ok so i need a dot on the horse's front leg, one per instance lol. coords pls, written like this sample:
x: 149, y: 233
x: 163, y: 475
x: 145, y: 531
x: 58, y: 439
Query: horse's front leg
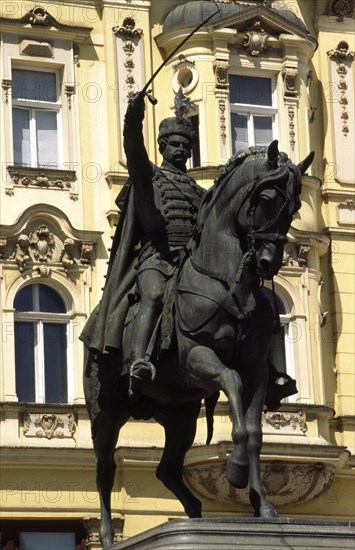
x: 206, y: 370
x: 257, y: 383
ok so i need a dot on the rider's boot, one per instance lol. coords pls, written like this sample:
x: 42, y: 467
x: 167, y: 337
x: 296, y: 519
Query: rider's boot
x: 141, y: 372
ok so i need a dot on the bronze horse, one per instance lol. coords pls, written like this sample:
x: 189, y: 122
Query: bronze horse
x: 223, y: 328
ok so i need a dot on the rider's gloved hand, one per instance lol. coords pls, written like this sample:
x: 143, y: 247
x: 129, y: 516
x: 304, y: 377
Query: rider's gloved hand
x: 136, y: 105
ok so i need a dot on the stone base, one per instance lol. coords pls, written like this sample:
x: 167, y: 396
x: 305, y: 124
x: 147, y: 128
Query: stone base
x: 244, y: 533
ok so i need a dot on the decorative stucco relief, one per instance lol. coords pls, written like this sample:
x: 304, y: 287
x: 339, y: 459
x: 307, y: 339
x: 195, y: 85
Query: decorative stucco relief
x: 290, y: 77
x: 185, y: 75
x: 41, y: 250
x: 130, y: 36
x: 291, y: 127
x: 344, y: 58
x: 256, y: 39
x: 346, y: 212
x: 286, y: 483
x: 46, y: 178
x: 221, y: 67
x: 49, y: 425
x: 92, y: 526
x: 222, y: 120
x: 6, y: 86
x: 295, y: 255
x: 340, y: 9
x: 284, y: 422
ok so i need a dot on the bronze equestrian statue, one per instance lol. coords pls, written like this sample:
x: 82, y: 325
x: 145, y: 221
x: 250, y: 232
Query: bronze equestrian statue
x: 223, y: 322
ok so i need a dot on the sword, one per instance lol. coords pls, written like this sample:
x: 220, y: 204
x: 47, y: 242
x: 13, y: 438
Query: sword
x: 145, y: 90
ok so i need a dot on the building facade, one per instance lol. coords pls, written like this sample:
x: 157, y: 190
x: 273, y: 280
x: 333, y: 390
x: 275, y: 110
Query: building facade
x: 259, y: 70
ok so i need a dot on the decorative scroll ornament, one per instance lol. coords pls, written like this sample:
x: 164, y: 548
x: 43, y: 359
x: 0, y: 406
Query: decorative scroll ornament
x: 285, y: 483
x: 221, y: 67
x: 49, y: 425
x: 256, y: 39
x: 290, y: 76
x: 340, y: 8
x: 39, y: 16
x: 344, y: 58
x: 131, y: 37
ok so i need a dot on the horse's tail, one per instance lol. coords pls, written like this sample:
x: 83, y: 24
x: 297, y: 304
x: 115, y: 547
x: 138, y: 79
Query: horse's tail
x: 210, y: 404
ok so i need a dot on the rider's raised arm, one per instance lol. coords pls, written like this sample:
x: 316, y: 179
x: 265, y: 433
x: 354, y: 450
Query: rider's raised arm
x: 139, y: 167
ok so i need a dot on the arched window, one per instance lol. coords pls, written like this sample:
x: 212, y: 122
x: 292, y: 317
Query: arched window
x: 41, y: 323
x: 279, y: 353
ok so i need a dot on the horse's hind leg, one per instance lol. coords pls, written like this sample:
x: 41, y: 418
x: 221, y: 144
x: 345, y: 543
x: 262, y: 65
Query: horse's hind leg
x: 105, y: 434
x: 180, y: 429
x: 206, y: 370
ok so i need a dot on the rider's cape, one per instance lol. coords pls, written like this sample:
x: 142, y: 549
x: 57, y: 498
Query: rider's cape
x: 103, y: 330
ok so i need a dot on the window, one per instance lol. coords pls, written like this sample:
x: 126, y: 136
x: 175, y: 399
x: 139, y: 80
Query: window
x: 281, y: 353
x: 41, y: 326
x: 253, y: 111
x: 36, y: 121
x: 44, y: 541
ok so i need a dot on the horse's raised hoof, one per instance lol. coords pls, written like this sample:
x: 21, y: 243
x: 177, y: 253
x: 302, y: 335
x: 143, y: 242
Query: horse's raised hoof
x: 237, y: 474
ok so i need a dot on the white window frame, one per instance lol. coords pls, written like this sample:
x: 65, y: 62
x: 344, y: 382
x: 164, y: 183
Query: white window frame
x: 254, y: 109
x: 38, y: 105
x: 37, y: 319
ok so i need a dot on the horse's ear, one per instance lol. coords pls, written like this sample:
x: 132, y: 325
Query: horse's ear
x: 306, y: 163
x: 273, y: 153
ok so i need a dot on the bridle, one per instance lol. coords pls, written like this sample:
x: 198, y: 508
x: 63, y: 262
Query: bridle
x: 254, y: 234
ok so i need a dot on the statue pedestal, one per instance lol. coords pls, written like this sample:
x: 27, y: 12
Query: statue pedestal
x: 244, y: 533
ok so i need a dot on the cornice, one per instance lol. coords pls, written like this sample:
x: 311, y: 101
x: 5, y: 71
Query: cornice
x: 45, y: 212
x: 40, y: 22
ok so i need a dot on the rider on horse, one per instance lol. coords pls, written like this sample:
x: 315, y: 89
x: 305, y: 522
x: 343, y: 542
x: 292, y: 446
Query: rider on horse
x: 158, y: 217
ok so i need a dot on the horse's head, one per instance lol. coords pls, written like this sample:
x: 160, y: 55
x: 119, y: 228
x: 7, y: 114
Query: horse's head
x: 268, y: 204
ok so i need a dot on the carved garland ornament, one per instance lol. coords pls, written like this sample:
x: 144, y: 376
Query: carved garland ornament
x: 222, y: 120
x: 285, y: 483
x: 131, y: 37
x: 344, y: 58
x: 291, y: 126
